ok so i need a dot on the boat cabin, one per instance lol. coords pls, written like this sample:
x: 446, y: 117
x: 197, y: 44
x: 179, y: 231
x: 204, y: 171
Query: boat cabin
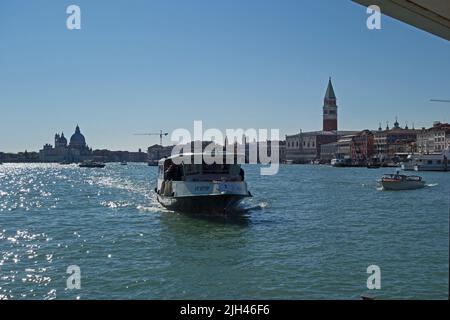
x: 185, y: 171
x: 399, y: 177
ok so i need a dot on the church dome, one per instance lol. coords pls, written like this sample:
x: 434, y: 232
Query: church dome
x: 77, y: 140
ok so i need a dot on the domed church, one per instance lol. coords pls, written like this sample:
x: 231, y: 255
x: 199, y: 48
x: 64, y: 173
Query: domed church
x: 77, y: 141
x: 76, y: 151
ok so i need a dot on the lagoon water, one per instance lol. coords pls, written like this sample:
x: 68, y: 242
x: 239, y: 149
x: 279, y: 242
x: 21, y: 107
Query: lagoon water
x: 310, y: 232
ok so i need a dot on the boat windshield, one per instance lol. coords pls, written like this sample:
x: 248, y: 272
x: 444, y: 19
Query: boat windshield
x: 168, y: 170
x: 212, y: 171
x: 400, y: 177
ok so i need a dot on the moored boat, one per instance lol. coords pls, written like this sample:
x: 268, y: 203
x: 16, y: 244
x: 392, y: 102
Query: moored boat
x: 340, y: 162
x: 91, y: 164
x: 428, y: 162
x: 401, y: 182
x: 200, y: 188
x: 123, y: 163
x: 409, y: 163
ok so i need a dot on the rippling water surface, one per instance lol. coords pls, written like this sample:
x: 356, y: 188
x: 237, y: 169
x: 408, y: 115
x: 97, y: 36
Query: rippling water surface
x: 309, y: 232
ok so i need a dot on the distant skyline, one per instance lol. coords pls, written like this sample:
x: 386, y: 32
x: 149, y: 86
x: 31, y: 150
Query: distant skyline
x: 141, y: 66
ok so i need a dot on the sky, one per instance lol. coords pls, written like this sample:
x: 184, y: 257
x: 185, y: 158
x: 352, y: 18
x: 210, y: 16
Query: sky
x: 141, y: 66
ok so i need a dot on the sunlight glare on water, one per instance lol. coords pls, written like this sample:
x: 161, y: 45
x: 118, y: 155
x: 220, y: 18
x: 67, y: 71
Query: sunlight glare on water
x: 309, y: 232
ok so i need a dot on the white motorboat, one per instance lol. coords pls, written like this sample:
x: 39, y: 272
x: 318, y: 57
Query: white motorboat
x: 428, y: 162
x: 340, y: 162
x: 401, y: 182
x: 409, y: 163
x: 432, y: 162
x: 200, y: 188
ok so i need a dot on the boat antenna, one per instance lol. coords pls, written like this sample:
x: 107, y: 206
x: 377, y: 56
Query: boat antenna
x: 440, y: 100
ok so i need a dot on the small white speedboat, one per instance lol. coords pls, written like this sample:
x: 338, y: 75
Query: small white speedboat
x: 401, y: 182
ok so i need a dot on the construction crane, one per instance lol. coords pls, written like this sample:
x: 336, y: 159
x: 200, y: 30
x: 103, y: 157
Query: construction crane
x: 440, y: 100
x: 160, y: 134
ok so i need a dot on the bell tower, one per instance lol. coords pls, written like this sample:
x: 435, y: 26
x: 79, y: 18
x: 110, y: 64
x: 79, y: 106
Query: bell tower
x: 329, y: 109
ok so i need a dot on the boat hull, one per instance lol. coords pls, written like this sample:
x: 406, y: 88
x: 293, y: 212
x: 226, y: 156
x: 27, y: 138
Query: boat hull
x: 208, y: 204
x: 404, y: 185
x: 92, y: 166
x: 431, y: 168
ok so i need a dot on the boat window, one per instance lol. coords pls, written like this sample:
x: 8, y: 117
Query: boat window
x: 192, y: 169
x: 235, y: 169
x: 215, y: 168
x: 161, y: 171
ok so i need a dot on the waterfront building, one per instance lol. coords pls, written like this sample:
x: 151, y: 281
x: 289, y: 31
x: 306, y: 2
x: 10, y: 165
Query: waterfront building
x: 357, y: 149
x: 119, y: 156
x: 344, y: 147
x: 328, y: 152
x: 156, y: 152
x: 392, y: 141
x: 20, y: 157
x: 362, y: 147
x: 434, y: 139
x: 305, y: 147
x: 76, y: 151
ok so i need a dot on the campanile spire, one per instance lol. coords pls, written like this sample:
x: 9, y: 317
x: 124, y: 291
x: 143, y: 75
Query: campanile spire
x: 329, y: 109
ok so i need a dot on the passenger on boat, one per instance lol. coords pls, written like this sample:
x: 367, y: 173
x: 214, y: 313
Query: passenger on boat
x: 242, y: 174
x: 173, y: 172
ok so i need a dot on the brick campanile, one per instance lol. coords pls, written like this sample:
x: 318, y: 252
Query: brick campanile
x: 329, y: 109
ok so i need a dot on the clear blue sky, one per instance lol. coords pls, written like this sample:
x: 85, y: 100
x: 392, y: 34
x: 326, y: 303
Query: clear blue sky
x: 139, y: 66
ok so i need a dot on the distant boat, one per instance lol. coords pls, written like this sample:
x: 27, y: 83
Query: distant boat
x: 91, y: 164
x: 123, y: 163
x: 152, y: 163
x: 339, y: 162
x: 409, y: 163
x: 428, y: 162
x: 401, y: 182
x: 65, y: 163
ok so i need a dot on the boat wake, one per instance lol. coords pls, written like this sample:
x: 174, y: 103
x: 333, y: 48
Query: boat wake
x: 432, y: 184
x: 261, y: 206
x: 155, y: 208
